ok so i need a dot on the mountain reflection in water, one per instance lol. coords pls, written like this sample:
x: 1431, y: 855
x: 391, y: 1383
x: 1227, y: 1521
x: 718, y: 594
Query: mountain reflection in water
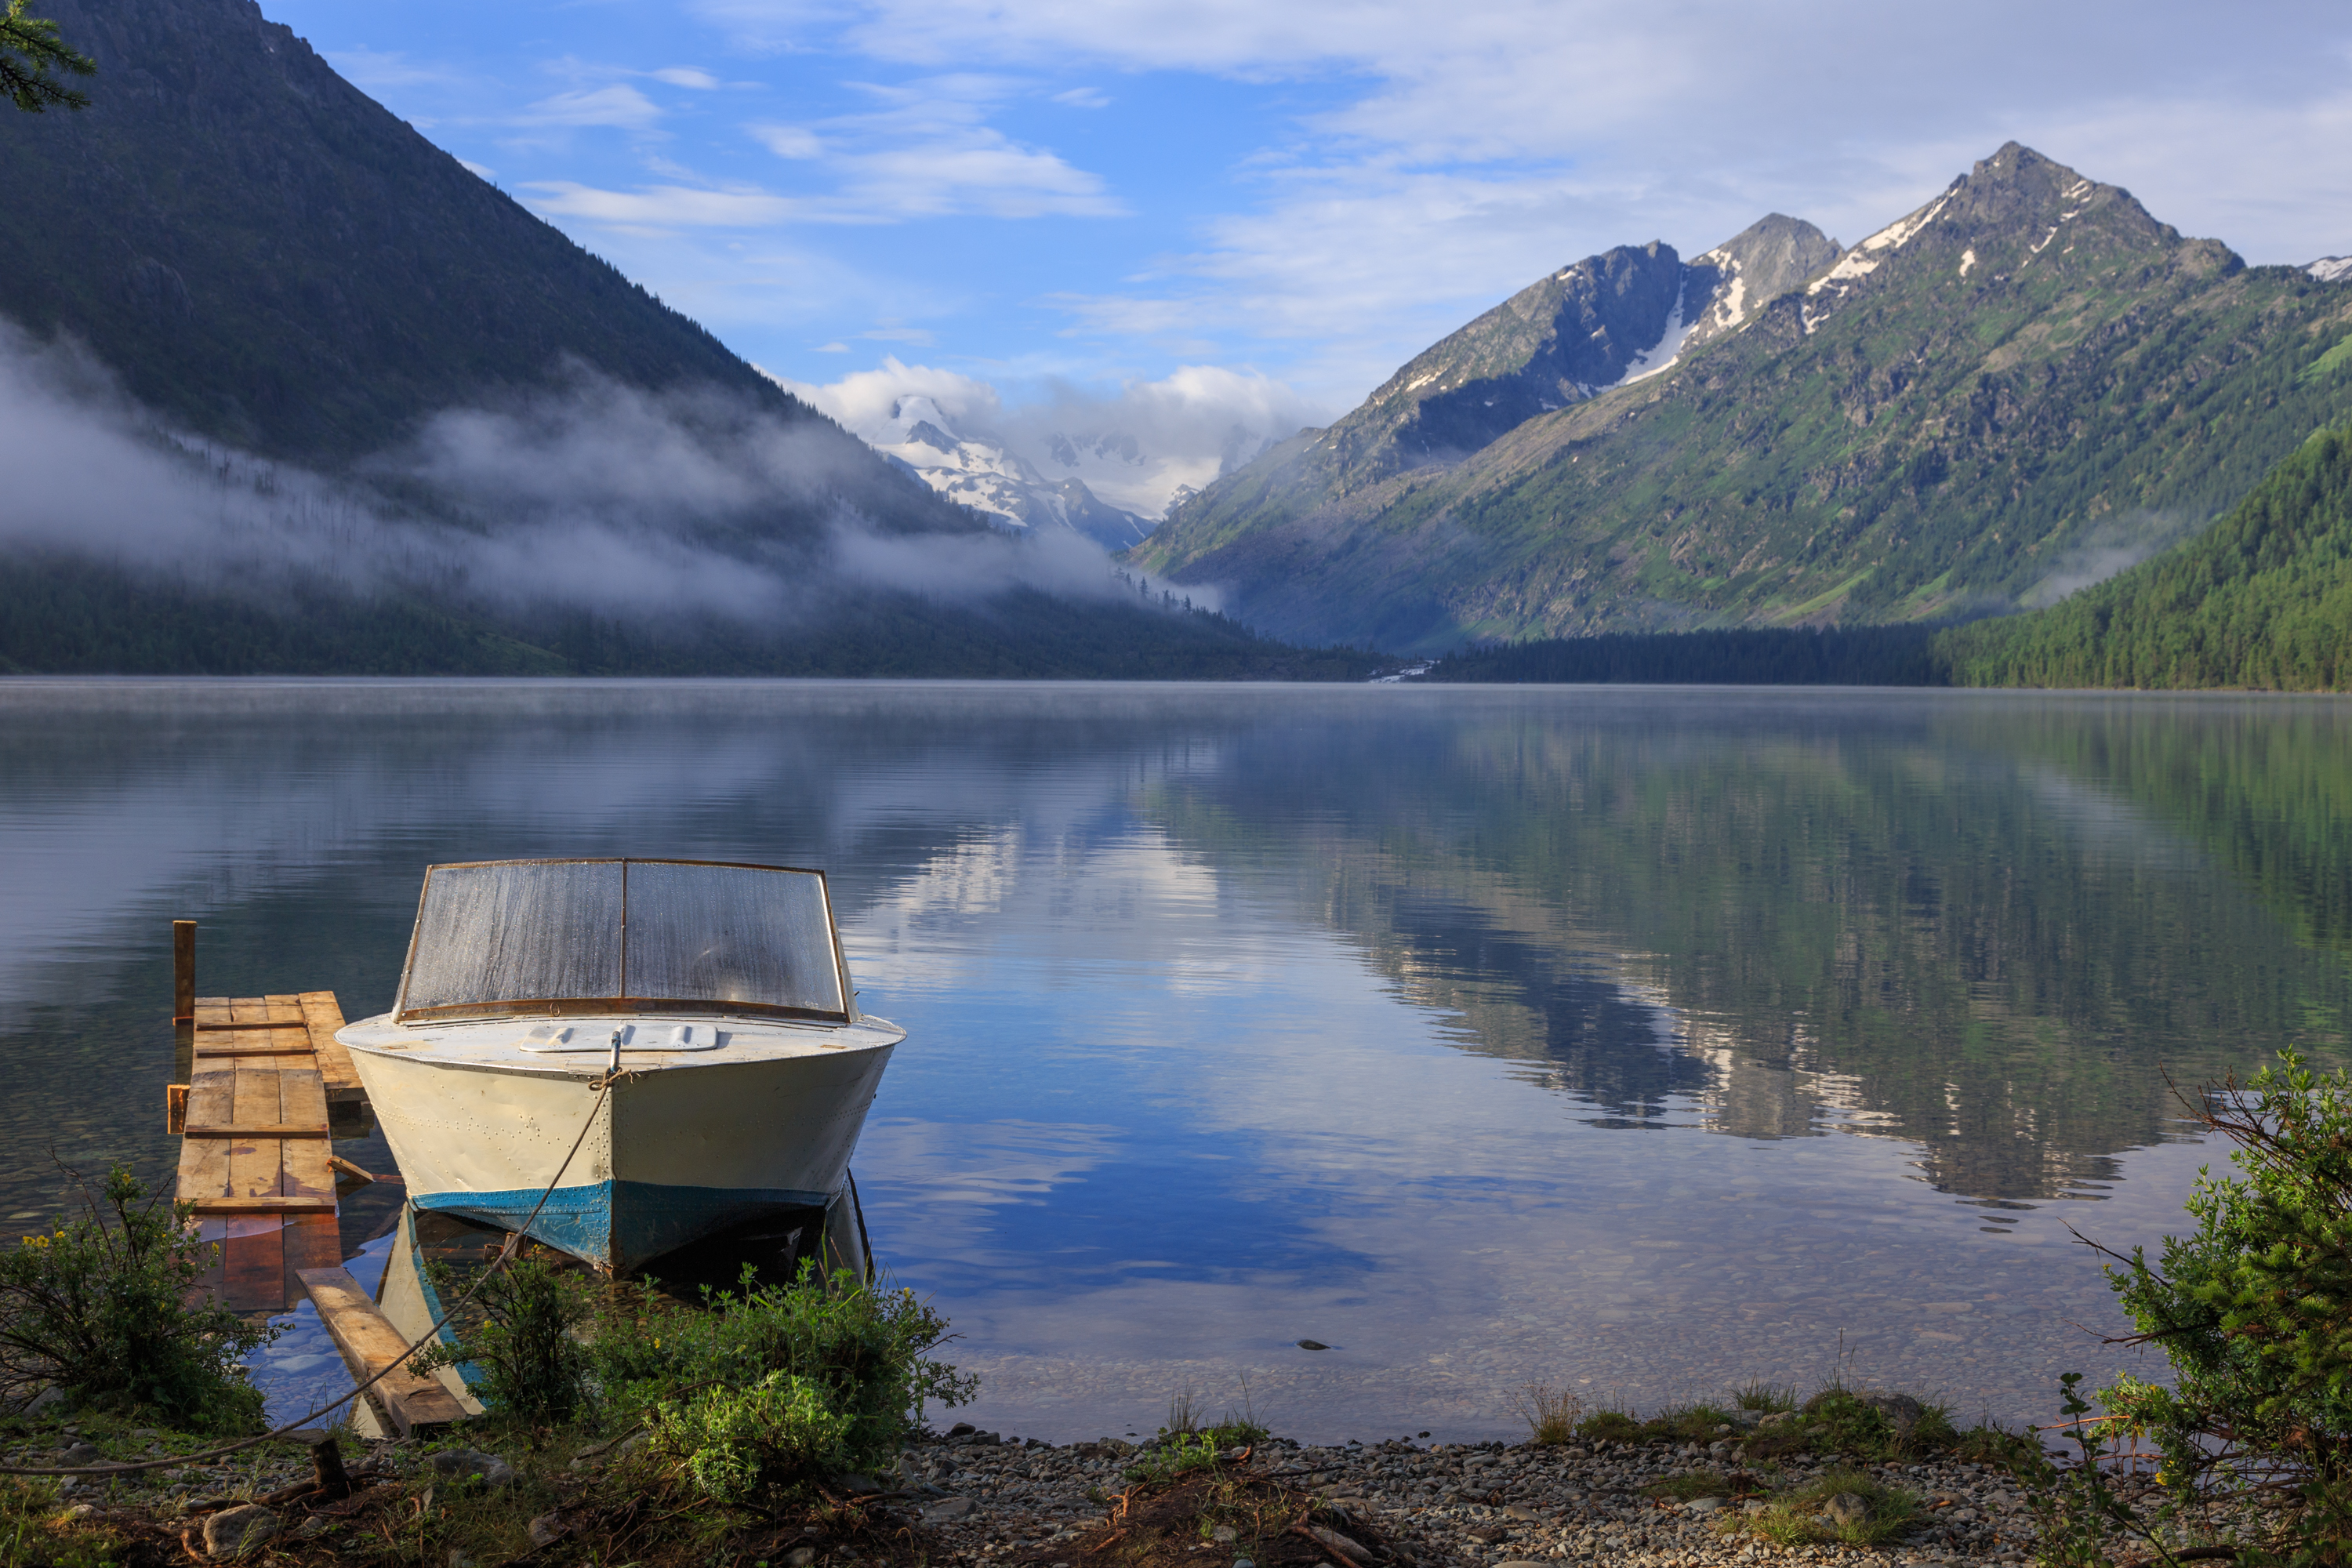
x: 1243, y: 1015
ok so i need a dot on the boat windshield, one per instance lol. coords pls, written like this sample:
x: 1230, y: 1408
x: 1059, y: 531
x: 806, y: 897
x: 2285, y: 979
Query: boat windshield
x: 501, y: 937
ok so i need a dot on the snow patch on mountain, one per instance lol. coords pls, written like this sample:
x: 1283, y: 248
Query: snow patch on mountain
x: 2332, y: 270
x: 1662, y: 354
x: 977, y: 470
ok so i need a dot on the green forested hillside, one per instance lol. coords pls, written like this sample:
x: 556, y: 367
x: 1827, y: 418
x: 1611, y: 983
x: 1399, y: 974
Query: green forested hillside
x: 2263, y: 600
x: 59, y: 616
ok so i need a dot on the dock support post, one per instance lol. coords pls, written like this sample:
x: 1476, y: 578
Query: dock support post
x: 183, y: 972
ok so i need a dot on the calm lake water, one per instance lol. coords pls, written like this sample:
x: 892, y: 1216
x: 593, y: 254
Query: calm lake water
x: 1641, y: 1042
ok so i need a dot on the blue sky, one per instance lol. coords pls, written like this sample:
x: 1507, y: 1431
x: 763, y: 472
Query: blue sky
x: 1077, y: 198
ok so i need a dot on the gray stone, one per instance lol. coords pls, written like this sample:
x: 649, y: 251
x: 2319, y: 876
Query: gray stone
x: 1846, y: 1507
x: 1313, y: 1345
x: 800, y: 1557
x: 49, y: 1399
x: 234, y: 1532
x: 456, y: 1464
x: 548, y: 1529
x: 947, y: 1510
x: 1225, y: 1535
x: 1704, y: 1504
x: 80, y: 1454
x: 79, y: 1512
x: 459, y: 1560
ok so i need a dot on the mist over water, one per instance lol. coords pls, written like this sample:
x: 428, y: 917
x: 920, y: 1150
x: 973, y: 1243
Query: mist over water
x: 667, y: 508
x: 1640, y: 1041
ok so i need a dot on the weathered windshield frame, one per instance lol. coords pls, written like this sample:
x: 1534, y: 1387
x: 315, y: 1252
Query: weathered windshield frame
x: 831, y: 963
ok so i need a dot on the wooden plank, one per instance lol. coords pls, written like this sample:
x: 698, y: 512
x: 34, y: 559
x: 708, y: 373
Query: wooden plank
x: 249, y: 1009
x: 175, y: 1108
x: 304, y: 1096
x: 306, y: 1173
x: 279, y: 1130
x: 253, y: 1168
x: 204, y: 1163
x: 274, y: 1204
x: 311, y: 1241
x: 254, y: 1254
x: 325, y: 1015
x: 183, y: 970
x: 370, y: 1345
x: 295, y: 1054
x: 214, y: 1281
x: 273, y: 1023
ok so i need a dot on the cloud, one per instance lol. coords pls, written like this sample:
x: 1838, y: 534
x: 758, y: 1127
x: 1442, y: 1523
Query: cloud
x: 617, y: 105
x: 925, y: 150
x: 794, y: 141
x: 1084, y: 98
x: 1432, y: 160
x: 662, y: 206
x: 597, y: 495
x: 1134, y: 445
x: 688, y: 77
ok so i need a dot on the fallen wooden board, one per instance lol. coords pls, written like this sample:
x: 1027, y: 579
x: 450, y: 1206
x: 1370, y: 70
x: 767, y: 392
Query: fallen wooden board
x: 370, y: 1345
x: 265, y: 1206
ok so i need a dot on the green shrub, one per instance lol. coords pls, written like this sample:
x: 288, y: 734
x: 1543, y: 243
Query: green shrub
x: 768, y: 1389
x: 100, y: 1307
x: 534, y: 1368
x: 2255, y: 1311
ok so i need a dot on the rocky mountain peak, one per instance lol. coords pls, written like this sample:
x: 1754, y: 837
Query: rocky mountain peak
x: 1726, y: 287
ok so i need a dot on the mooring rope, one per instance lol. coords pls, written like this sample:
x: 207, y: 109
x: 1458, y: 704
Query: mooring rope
x: 507, y: 1250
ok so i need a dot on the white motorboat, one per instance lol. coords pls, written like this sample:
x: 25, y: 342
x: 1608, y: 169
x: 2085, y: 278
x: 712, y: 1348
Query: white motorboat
x: 683, y: 1032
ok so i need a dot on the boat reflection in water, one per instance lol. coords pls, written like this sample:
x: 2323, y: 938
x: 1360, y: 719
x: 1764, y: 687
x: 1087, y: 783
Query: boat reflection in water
x: 623, y: 1058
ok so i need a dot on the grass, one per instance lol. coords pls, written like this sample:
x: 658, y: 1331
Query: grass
x: 1839, y: 1421
x: 1705, y: 1483
x: 1551, y: 1414
x: 1796, y: 1519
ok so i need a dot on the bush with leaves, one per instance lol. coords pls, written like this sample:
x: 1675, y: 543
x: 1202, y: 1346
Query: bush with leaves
x: 533, y: 1365
x: 2255, y: 1311
x: 770, y: 1388
x: 100, y: 1307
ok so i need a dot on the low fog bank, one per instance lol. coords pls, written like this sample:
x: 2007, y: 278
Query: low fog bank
x: 1137, y: 448
x: 658, y: 509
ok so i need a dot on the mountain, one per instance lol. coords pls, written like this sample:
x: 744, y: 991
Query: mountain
x: 2025, y: 380
x: 400, y: 425
x: 262, y: 251
x: 981, y: 471
x: 2264, y: 599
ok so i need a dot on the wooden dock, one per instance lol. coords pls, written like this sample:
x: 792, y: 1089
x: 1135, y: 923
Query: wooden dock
x: 265, y: 1076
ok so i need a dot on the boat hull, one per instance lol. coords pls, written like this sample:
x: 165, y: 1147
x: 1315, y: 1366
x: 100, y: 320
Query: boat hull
x: 665, y: 1159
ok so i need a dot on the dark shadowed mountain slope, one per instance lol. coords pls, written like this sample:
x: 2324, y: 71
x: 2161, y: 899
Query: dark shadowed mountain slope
x: 2024, y: 378
x: 262, y: 251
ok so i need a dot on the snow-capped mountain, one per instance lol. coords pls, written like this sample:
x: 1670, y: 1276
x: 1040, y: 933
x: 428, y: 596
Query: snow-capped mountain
x: 2332, y: 270
x: 979, y: 470
x: 1128, y: 472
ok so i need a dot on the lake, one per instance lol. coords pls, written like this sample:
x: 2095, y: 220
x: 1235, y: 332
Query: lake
x: 1641, y: 1042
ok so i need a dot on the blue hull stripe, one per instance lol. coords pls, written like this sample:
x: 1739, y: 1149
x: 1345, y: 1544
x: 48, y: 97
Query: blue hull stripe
x: 622, y: 1224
